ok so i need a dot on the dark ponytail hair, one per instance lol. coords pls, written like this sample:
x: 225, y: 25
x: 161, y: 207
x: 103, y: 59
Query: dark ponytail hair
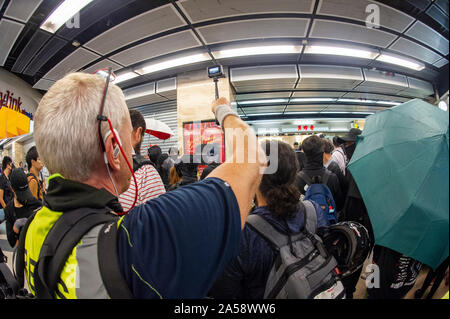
x: 279, y: 188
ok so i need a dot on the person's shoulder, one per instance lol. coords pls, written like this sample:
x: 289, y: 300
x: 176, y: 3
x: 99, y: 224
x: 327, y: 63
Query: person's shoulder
x: 3, y: 181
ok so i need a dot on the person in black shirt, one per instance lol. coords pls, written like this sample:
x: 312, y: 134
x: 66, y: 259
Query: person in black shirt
x: 301, y: 158
x: 6, y: 194
x: 21, y: 207
x: 313, y: 149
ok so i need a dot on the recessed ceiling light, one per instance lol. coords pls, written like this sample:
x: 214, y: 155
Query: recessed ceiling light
x: 407, y: 63
x: 185, y: 60
x: 268, y: 101
x: 124, y: 77
x: 63, y: 13
x: 344, y: 51
x: 257, y: 50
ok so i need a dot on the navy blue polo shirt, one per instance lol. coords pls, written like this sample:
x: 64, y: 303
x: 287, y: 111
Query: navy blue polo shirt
x: 176, y: 245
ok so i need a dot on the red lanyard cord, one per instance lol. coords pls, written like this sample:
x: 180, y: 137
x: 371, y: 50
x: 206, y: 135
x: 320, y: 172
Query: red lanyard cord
x: 100, y: 118
x: 129, y: 166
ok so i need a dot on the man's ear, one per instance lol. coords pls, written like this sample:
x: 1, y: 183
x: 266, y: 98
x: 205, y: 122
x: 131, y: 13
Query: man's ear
x: 112, y: 153
x: 136, y: 135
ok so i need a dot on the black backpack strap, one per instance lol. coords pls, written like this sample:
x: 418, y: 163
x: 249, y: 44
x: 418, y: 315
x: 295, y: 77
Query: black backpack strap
x: 19, y: 264
x: 59, y: 243
x: 7, y: 275
x: 267, y: 231
x: 326, y: 175
x: 40, y: 190
x: 109, y: 263
x: 305, y: 178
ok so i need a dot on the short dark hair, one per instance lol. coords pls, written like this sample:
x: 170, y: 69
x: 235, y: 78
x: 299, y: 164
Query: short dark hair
x: 5, y: 162
x: 312, y: 145
x: 327, y: 146
x: 137, y: 121
x: 32, y: 154
x: 336, y: 141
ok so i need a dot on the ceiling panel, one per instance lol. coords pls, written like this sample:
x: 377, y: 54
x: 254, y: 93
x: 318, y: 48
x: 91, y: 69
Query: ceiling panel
x: 260, y: 96
x: 420, y: 4
x: 305, y: 108
x: 427, y: 35
x: 415, y: 50
x: 264, y: 109
x: 435, y: 13
x: 201, y: 10
x: 149, y: 99
x: 22, y: 10
x: 43, y: 84
x: 154, y: 48
x: 73, y: 62
x: 44, y: 55
x: 9, y: 31
x: 31, y: 49
x: 317, y: 94
x: 254, y: 29
x: 143, y: 89
x: 441, y: 63
x: 142, y: 95
x: 94, y: 14
x: 418, y: 88
x: 352, y: 108
x: 325, y: 29
x: 443, y: 4
x: 389, y: 17
x: 382, y: 82
x: 332, y: 108
x: 371, y: 96
x: 264, y: 78
x: 329, y: 77
x: 101, y: 65
x: 167, y: 88
x: 147, y: 24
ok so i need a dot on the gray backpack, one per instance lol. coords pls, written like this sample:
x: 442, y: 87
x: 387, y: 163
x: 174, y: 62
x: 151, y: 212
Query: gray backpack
x: 303, y: 269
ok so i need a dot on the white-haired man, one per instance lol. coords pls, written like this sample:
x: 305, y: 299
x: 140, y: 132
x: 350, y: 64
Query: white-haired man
x: 173, y: 246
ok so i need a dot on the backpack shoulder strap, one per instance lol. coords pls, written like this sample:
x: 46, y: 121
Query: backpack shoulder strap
x: 108, y: 261
x: 326, y: 175
x: 40, y: 190
x: 267, y: 231
x: 7, y: 275
x: 19, y: 264
x: 310, y: 217
x: 305, y: 178
x: 59, y: 243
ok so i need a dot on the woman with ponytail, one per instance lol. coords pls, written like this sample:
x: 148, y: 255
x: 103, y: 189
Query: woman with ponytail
x: 277, y: 201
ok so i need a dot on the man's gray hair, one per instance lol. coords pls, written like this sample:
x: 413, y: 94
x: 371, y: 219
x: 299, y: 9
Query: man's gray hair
x: 66, y: 126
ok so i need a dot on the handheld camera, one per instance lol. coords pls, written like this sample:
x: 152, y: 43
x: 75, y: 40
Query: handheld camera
x: 215, y: 72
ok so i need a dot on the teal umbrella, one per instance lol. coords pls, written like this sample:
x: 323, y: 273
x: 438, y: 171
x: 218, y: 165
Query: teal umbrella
x: 400, y: 165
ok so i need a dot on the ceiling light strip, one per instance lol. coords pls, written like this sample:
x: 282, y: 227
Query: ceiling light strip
x: 63, y: 13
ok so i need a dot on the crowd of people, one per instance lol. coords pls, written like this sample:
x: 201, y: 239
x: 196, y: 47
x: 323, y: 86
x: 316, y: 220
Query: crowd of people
x: 182, y: 233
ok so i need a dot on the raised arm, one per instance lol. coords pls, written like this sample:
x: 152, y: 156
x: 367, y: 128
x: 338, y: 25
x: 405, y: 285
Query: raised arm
x: 243, y: 170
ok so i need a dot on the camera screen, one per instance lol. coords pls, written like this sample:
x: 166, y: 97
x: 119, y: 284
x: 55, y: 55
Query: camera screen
x: 214, y: 70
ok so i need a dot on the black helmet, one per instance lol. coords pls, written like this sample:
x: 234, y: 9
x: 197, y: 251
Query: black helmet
x: 350, y: 244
